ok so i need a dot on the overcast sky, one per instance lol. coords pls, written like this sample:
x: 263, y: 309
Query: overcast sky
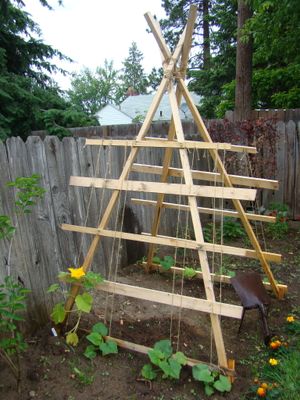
x: 90, y: 31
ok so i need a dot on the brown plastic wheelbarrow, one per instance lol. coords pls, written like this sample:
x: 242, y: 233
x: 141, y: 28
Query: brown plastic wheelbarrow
x: 252, y: 293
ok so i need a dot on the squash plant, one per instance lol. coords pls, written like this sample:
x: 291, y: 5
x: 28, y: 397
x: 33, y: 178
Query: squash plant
x: 162, y: 357
x: 211, y: 379
x: 83, y: 300
x: 99, y: 342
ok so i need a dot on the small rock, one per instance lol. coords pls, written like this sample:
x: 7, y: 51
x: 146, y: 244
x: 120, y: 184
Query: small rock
x: 32, y: 394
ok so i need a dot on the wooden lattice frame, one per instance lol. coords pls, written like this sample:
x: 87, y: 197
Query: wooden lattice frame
x: 175, y: 140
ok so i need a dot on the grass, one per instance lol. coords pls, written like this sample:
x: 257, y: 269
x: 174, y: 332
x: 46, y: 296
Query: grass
x: 281, y: 381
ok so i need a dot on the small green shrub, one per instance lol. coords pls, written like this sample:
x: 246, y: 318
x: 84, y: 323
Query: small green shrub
x: 230, y: 230
x: 12, y: 303
x: 280, y: 228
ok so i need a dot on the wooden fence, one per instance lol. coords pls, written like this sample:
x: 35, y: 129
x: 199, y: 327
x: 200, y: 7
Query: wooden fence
x: 40, y: 249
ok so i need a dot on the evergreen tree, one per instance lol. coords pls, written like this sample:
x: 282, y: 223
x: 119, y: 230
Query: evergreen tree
x: 27, y: 90
x: 275, y: 29
x: 133, y: 75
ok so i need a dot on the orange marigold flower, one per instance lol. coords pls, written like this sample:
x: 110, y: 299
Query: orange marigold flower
x: 290, y: 318
x: 274, y: 345
x: 261, y: 392
x: 273, y: 362
x: 76, y: 273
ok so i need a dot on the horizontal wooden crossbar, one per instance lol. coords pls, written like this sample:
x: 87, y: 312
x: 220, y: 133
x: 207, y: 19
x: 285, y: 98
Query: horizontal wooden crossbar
x: 139, y: 348
x: 172, y: 299
x: 215, y: 277
x: 165, y: 188
x: 174, y: 144
x: 172, y: 242
x: 206, y: 210
x: 209, y: 176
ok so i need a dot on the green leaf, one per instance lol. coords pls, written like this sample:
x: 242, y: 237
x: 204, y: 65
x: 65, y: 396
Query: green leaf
x: 209, y: 390
x: 189, y: 272
x: 53, y: 288
x: 164, y: 346
x: 72, y: 339
x: 58, y: 314
x: 108, y: 347
x: 156, y: 260
x: 92, y: 279
x: 84, y: 302
x: 90, y: 352
x: 156, y: 356
x: 222, y: 384
x: 175, y: 368
x: 202, y: 373
x: 165, y: 367
x: 100, y: 328
x: 148, y: 372
x: 95, y: 338
x: 167, y: 262
x: 180, y: 358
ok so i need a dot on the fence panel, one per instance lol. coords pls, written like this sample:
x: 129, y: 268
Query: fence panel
x: 40, y: 248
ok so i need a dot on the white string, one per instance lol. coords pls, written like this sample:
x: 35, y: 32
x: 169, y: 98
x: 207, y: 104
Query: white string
x: 92, y: 191
x: 183, y: 266
x: 175, y: 259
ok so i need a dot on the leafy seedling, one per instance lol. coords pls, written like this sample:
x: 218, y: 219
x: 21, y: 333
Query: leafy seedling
x: 189, y: 272
x: 99, y: 343
x: 163, y: 358
x: 212, y: 380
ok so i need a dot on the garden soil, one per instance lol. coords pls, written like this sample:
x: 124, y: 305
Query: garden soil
x: 53, y: 370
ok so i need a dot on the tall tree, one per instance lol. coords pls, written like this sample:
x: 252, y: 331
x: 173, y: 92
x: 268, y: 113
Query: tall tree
x: 276, y: 74
x: 213, y: 56
x: 133, y: 75
x: 90, y: 91
x: 27, y: 90
x: 154, y: 78
x: 206, y: 34
x: 243, y: 86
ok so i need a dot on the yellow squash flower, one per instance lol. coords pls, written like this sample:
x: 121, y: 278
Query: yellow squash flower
x: 273, y: 362
x: 77, y: 273
x: 290, y: 318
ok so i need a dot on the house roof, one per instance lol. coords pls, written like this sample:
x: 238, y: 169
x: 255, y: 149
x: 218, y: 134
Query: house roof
x: 136, y: 107
x: 111, y: 115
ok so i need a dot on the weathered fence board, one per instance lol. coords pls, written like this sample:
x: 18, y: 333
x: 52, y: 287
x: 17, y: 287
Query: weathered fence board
x: 40, y: 248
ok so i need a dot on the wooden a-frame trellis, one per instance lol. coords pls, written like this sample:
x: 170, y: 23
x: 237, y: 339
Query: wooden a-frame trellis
x: 174, y: 73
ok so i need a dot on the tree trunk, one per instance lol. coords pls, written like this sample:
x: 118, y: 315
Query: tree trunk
x: 243, y: 90
x: 206, y: 39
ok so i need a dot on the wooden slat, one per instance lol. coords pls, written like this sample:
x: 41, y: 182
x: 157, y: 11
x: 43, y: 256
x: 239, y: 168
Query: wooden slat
x: 172, y: 242
x: 215, y: 277
x: 164, y: 143
x: 165, y: 188
x: 210, y: 176
x: 172, y: 131
x: 172, y: 299
x: 206, y: 210
x: 192, y: 200
x: 124, y: 344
